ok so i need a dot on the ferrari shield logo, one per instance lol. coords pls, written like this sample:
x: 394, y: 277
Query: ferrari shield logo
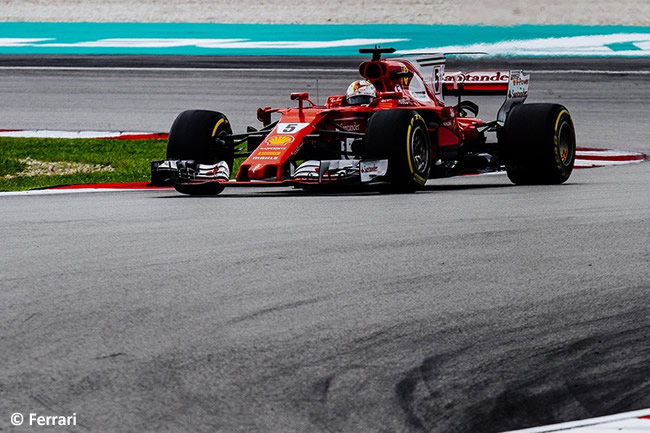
x: 405, y: 79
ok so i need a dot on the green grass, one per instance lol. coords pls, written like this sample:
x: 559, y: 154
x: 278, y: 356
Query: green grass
x: 131, y: 160
x: 10, y: 166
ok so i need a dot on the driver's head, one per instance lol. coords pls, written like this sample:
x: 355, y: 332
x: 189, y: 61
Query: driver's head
x: 360, y: 92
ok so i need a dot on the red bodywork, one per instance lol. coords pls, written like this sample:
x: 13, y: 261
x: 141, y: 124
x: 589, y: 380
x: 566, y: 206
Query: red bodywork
x: 400, y: 85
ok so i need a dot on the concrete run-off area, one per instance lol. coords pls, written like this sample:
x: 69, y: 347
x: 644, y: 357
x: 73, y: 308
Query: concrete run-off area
x: 493, y: 12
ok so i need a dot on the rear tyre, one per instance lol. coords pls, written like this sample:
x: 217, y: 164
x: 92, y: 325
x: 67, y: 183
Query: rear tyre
x: 400, y: 136
x: 199, y: 135
x: 539, y: 144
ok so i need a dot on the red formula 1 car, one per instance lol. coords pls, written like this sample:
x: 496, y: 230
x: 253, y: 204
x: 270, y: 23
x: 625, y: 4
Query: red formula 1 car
x: 392, y: 129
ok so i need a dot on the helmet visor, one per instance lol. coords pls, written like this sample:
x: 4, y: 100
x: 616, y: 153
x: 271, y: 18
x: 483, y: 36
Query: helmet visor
x: 360, y: 99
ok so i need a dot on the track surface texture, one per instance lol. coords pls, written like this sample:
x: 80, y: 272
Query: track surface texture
x: 473, y: 306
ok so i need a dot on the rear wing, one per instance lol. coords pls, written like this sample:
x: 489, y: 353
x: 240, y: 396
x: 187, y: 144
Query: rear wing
x: 513, y: 84
x: 444, y: 82
x: 487, y: 82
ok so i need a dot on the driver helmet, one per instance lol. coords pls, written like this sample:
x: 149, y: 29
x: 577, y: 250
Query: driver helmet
x: 360, y: 92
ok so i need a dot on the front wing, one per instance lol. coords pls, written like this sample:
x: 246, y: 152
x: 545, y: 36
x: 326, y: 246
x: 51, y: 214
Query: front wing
x: 187, y: 173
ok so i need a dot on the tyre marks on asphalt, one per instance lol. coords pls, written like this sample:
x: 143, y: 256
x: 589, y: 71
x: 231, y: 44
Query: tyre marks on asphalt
x: 535, y: 369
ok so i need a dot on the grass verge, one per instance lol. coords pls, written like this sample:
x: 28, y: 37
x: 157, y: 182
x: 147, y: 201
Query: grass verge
x: 130, y: 161
x: 10, y: 167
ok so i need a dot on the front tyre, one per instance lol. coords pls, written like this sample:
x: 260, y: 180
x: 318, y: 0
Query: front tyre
x: 198, y: 135
x: 539, y: 143
x: 201, y: 136
x: 401, y: 136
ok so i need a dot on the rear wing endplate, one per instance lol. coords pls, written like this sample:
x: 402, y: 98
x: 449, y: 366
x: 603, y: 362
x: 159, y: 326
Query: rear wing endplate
x: 517, y: 93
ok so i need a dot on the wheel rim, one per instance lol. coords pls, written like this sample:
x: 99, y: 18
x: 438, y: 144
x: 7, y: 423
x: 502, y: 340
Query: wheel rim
x: 565, y: 144
x: 419, y: 150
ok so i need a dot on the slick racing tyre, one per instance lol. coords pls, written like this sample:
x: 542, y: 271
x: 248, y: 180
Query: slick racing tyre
x: 199, y: 135
x: 194, y: 135
x: 400, y: 136
x: 539, y: 143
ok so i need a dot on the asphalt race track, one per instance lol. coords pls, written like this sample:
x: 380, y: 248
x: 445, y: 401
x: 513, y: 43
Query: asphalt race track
x: 473, y: 306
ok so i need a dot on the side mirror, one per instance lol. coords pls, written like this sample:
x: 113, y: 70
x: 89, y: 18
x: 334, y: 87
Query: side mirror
x: 300, y: 96
x: 264, y: 115
x: 391, y: 95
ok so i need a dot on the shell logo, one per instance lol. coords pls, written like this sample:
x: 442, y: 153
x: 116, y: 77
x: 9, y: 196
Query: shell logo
x: 279, y: 140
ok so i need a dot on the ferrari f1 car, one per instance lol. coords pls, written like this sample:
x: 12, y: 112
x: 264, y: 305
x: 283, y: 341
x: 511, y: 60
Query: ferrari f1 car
x: 392, y: 128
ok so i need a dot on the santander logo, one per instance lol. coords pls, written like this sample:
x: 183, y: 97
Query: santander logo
x: 477, y: 76
x: 370, y: 169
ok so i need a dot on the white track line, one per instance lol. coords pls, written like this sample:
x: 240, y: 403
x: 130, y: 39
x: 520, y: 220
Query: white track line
x: 607, y: 153
x: 589, y: 163
x: 628, y: 421
x: 46, y: 133
x: 70, y: 191
x: 163, y: 69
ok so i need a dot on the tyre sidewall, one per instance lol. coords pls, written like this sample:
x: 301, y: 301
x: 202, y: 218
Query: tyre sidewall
x: 564, y: 149
x: 400, y: 136
x: 539, y: 144
x: 193, y: 137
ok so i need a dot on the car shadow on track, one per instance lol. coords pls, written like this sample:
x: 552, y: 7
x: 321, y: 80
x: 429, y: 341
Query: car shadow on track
x: 332, y: 192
